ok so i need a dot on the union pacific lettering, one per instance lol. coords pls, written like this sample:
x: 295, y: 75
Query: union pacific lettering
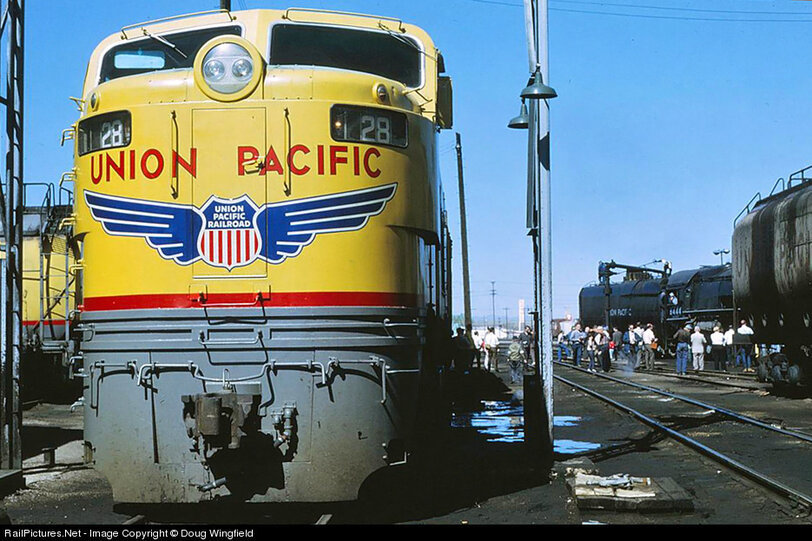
x: 324, y: 160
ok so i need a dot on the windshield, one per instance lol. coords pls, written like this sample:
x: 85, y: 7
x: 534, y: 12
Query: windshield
x: 388, y: 55
x: 156, y: 52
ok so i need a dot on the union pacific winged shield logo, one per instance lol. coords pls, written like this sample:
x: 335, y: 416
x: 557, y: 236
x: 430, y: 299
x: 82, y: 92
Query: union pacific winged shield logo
x: 233, y: 233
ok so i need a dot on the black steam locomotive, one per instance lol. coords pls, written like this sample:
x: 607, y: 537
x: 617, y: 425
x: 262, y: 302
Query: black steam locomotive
x: 702, y: 296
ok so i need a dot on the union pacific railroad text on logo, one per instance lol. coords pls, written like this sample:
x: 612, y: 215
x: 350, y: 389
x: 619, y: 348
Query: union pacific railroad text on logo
x: 232, y: 233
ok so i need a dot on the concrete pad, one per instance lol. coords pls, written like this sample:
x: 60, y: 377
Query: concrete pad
x: 626, y: 493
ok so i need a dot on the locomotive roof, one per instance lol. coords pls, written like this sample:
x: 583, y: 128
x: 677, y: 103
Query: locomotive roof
x: 710, y: 272
x: 628, y: 287
x: 256, y: 24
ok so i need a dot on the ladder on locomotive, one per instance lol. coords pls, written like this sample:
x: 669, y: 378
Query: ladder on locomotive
x: 56, y: 281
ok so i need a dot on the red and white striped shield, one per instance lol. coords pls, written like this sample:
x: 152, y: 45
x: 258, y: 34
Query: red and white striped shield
x: 229, y: 237
x: 229, y: 248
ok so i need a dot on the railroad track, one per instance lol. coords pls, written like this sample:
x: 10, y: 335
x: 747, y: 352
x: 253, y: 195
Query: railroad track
x: 745, y: 382
x: 144, y: 519
x: 792, y: 484
x: 731, y: 375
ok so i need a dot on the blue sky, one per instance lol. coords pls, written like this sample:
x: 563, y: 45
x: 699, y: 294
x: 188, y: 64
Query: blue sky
x: 663, y: 130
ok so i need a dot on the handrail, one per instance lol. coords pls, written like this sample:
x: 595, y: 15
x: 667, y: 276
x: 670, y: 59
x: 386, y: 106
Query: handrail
x: 783, y: 185
x: 746, y: 210
x: 47, y: 201
x: 68, y: 196
x: 350, y: 13
x: 803, y: 178
x: 174, y: 18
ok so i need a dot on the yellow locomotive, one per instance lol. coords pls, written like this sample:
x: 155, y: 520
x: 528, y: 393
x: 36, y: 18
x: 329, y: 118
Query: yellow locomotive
x: 48, y: 294
x: 265, y: 256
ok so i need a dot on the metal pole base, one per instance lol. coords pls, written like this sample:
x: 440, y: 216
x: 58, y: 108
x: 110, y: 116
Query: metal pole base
x: 536, y: 438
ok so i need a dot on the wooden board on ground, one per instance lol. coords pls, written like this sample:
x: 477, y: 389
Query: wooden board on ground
x: 645, y: 494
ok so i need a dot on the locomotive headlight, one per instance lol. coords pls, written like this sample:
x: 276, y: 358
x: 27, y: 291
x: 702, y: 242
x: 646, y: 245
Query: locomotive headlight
x: 226, y: 68
x: 236, y: 76
x: 242, y: 69
x: 213, y: 71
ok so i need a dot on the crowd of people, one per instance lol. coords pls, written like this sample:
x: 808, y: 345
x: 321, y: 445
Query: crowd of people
x: 601, y: 349
x: 470, y: 347
x: 632, y: 347
x: 637, y: 346
x: 722, y: 348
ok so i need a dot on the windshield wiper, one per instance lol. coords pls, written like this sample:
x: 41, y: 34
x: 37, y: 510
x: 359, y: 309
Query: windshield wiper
x: 164, y: 41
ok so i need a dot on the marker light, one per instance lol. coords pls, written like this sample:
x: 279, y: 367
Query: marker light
x: 227, y: 68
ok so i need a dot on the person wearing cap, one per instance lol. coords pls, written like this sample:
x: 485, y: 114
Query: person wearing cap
x: 683, y: 339
x: 718, y: 349
x: 516, y: 361
x: 698, y: 343
x: 576, y: 339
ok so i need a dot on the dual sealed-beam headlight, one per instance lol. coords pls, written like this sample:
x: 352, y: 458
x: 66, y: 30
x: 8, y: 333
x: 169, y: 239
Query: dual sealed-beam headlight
x: 228, y: 68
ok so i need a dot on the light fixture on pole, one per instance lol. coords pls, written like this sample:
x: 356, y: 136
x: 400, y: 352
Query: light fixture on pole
x: 537, y: 90
x: 520, y: 122
x: 721, y: 253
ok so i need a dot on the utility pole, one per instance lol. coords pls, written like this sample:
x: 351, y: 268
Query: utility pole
x: 11, y: 211
x: 538, y: 387
x: 493, y: 304
x: 506, y: 318
x: 466, y: 280
x: 545, y: 223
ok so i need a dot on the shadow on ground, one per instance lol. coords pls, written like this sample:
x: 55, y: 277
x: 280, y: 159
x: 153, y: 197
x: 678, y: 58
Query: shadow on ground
x: 465, y: 468
x: 38, y: 438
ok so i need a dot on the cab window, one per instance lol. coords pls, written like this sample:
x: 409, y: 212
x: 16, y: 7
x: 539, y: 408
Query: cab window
x: 380, y: 53
x: 158, y: 52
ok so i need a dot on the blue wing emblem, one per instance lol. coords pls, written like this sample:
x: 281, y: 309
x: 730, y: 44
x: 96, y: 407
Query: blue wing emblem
x: 291, y: 225
x: 231, y: 232
x: 171, y: 229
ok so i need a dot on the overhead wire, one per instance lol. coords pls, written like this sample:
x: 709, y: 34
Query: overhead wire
x: 666, y: 17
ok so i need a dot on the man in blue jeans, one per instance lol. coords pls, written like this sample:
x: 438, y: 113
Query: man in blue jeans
x: 683, y: 339
x: 746, y: 349
x: 576, y: 343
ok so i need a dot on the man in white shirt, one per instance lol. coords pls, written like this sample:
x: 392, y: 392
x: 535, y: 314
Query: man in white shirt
x: 746, y: 350
x: 648, y: 348
x: 698, y: 342
x: 478, y: 348
x: 491, y: 345
x: 730, y: 351
x: 718, y: 349
x: 638, y: 335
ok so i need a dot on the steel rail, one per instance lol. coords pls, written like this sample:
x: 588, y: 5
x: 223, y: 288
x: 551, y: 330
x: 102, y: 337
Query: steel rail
x: 718, y: 409
x: 768, y: 482
x: 732, y: 375
x: 751, y: 387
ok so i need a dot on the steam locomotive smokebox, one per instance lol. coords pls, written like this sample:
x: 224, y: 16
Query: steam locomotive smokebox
x: 222, y: 417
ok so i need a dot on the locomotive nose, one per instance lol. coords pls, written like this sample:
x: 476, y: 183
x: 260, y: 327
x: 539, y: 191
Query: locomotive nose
x: 228, y: 68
